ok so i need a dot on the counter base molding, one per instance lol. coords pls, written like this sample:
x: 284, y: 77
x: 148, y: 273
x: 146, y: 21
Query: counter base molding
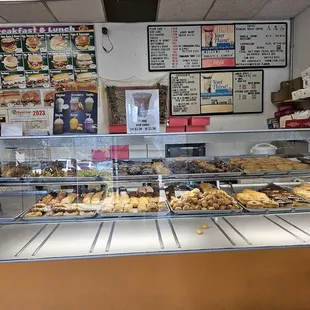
x: 256, y: 280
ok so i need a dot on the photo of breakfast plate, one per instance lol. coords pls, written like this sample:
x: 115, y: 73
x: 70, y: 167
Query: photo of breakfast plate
x: 35, y: 62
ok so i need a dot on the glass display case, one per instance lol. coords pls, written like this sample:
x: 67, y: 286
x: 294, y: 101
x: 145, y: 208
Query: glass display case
x: 104, y: 195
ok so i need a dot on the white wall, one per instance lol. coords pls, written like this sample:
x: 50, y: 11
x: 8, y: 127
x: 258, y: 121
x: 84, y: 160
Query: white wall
x: 301, y: 51
x: 129, y: 58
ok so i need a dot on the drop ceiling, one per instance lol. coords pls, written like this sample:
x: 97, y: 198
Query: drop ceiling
x: 71, y: 11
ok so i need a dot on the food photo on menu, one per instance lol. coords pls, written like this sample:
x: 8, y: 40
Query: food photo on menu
x: 31, y: 98
x: 84, y: 60
x: 13, y: 80
x: 9, y: 44
x: 61, y: 78
x: 83, y: 41
x: 10, y: 99
x: 48, y: 97
x: 59, y: 42
x: 33, y: 44
x: 37, y: 80
x: 75, y: 111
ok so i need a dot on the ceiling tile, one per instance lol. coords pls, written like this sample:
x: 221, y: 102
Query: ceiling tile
x: 26, y: 13
x: 2, y: 20
x: 183, y: 10
x: 234, y: 10
x: 282, y: 9
x: 78, y: 11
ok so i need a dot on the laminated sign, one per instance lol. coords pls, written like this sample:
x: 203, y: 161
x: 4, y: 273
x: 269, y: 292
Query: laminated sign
x: 142, y: 111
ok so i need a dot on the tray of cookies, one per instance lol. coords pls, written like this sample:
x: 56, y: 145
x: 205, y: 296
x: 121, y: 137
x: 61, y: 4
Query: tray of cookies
x: 272, y: 165
x: 202, y: 199
x: 143, y: 202
x: 63, y: 205
x: 265, y: 198
x: 194, y: 167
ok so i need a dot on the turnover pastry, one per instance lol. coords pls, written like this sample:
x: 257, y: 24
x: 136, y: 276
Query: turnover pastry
x: 96, y: 197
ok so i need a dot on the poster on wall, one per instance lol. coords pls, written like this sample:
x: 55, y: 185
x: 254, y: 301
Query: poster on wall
x: 31, y: 119
x: 142, y: 111
x: 76, y: 109
x: 47, y: 56
x: 218, y: 46
x: 188, y: 47
x: 229, y: 92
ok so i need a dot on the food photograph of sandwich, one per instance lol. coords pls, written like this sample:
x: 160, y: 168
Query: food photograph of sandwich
x: 33, y: 44
x: 10, y: 63
x: 82, y: 42
x: 60, y: 61
x: 8, y: 45
x: 35, y: 62
x: 48, y: 98
x: 38, y: 80
x: 31, y: 97
x: 58, y: 43
x: 83, y: 61
x: 13, y: 81
x: 87, y: 77
x: 10, y: 98
x: 62, y: 78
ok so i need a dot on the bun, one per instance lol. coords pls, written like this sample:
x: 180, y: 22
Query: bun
x: 58, y: 43
x: 10, y: 63
x: 60, y: 61
x: 82, y: 41
x: 86, y: 77
x: 35, y: 62
x: 33, y: 44
x: 84, y: 60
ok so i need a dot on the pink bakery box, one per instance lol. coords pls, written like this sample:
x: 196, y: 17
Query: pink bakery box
x: 195, y: 128
x: 119, y: 151
x: 175, y: 128
x: 178, y: 121
x: 117, y: 129
x: 199, y: 121
x: 99, y: 155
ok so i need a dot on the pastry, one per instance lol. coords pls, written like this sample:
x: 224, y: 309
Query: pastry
x: 96, y: 197
x: 142, y: 207
x: 107, y: 208
x: 118, y: 207
x: 34, y: 214
x: 128, y: 208
x: 69, y: 213
x: 87, y: 198
x: 270, y: 204
x: 69, y: 199
x: 152, y: 207
x: 254, y: 204
x: 305, y: 186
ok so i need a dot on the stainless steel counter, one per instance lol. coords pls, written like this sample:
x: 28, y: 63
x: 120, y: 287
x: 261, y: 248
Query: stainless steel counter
x: 151, y: 236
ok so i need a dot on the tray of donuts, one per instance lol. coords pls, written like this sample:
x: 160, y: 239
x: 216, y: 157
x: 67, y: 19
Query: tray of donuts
x: 200, y: 198
x: 266, y: 197
x: 272, y: 165
x: 63, y: 205
x: 144, y: 201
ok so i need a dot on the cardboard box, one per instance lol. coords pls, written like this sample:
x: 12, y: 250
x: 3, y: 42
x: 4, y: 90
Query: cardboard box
x: 119, y: 152
x: 178, y: 121
x: 296, y: 84
x: 199, y: 121
x: 117, y: 128
x: 191, y: 128
x: 280, y: 96
x: 305, y: 73
x: 306, y: 82
x: 175, y: 128
x: 297, y: 94
x: 284, y: 112
x: 298, y: 123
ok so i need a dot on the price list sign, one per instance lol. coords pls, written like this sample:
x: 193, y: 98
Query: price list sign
x: 261, y: 45
x: 177, y: 47
x: 225, y: 92
x: 209, y: 46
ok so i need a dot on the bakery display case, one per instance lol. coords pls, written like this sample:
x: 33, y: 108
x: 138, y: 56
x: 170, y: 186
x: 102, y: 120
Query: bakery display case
x: 57, y: 202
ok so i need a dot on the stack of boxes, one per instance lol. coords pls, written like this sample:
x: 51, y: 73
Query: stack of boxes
x: 304, y: 91
x: 188, y: 124
x: 286, y: 90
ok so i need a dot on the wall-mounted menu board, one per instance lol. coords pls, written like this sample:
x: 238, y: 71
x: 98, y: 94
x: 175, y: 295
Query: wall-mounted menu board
x: 223, y: 92
x: 47, y: 56
x: 188, y: 47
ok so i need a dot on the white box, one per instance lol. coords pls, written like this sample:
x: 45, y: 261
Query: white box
x: 305, y: 73
x: 305, y: 93
x: 306, y: 82
x: 297, y: 94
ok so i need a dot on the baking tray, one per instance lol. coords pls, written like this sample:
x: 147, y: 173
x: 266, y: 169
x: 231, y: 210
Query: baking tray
x: 289, y: 186
x: 201, y: 212
x: 238, y: 188
x: 139, y: 214
x: 201, y: 175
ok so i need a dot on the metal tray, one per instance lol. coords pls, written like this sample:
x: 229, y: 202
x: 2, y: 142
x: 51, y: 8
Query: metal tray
x: 289, y: 186
x: 201, y: 212
x: 139, y: 214
x: 202, y: 175
x: 238, y: 188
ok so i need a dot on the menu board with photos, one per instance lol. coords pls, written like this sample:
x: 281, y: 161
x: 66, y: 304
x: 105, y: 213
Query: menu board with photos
x: 188, y: 47
x: 47, y: 56
x: 224, y: 92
